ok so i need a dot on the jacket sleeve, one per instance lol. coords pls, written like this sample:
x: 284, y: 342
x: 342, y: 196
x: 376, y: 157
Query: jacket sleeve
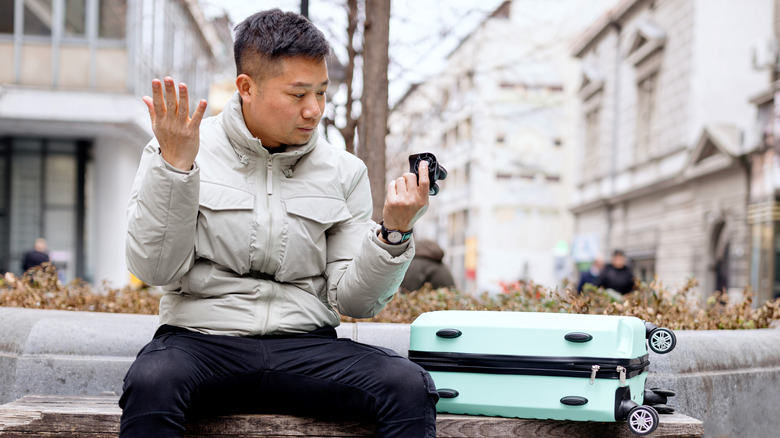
x: 161, y: 219
x: 363, y: 273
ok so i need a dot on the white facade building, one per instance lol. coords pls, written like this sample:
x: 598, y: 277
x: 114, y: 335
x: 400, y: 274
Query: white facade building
x: 72, y: 124
x: 764, y: 206
x: 665, y: 125
x: 495, y: 117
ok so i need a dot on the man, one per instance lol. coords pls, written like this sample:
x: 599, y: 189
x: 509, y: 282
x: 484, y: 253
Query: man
x: 260, y: 233
x: 427, y: 267
x: 37, y: 256
x: 616, y: 275
x: 592, y: 273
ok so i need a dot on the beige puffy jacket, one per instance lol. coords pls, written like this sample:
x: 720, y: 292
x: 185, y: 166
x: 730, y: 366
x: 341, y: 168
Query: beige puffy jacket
x: 252, y: 243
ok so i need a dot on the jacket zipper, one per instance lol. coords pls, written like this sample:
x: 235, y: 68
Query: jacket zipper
x: 269, y: 179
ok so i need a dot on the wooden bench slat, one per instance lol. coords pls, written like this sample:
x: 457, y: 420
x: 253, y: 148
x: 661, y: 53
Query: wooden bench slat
x: 98, y: 417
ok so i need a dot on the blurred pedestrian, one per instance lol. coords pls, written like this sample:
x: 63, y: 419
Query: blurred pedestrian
x: 427, y: 267
x: 617, y: 275
x: 590, y: 275
x: 38, y: 255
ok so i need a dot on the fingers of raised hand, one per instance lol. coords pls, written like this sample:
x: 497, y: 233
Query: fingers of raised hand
x: 157, y: 98
x: 149, y: 105
x: 197, y: 116
x: 170, y: 96
x: 184, y: 103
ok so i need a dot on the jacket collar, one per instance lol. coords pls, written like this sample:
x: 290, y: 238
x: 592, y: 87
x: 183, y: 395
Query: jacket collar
x: 248, y: 147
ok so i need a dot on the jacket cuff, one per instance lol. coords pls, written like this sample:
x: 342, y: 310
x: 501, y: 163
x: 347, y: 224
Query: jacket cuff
x: 394, y: 250
x: 170, y: 167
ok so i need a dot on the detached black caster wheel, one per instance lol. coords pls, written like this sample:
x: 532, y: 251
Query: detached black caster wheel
x: 662, y: 340
x: 642, y: 420
x: 664, y: 409
x: 651, y: 398
x: 663, y: 392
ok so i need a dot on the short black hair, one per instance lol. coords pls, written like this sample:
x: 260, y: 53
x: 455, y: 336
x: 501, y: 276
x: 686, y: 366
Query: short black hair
x: 618, y: 252
x: 264, y: 39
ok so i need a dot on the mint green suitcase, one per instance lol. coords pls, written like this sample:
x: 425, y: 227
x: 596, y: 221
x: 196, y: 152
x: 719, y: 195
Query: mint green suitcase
x: 539, y: 365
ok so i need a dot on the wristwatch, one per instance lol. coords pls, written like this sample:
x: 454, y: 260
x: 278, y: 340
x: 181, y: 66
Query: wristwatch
x: 395, y: 237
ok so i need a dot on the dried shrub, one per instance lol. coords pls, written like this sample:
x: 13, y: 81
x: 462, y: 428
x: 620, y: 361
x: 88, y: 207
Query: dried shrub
x: 40, y: 288
x: 651, y: 302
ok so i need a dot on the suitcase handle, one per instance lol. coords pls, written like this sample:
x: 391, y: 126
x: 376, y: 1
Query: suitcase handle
x: 578, y: 337
x: 574, y: 400
x: 449, y: 333
x: 448, y: 393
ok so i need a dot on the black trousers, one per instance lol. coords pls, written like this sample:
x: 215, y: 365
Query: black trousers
x: 181, y: 375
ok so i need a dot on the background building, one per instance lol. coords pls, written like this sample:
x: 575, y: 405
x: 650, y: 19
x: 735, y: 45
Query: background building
x: 495, y: 117
x: 665, y: 127
x: 764, y: 209
x: 72, y: 124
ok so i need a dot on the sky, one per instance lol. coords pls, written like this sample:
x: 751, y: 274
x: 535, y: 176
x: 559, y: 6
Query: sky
x: 422, y: 32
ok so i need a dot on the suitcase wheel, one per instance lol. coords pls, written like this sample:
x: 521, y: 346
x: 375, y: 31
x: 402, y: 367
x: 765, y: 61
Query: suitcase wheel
x: 649, y: 327
x: 663, y: 392
x: 447, y: 393
x: 657, y: 396
x: 664, y: 409
x: 662, y: 340
x: 651, y: 398
x: 642, y: 420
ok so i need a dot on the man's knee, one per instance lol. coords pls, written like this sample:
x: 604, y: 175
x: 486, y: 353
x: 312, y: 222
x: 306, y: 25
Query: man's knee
x: 158, y: 374
x: 405, y: 385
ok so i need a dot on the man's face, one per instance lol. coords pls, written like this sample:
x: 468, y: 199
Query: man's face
x: 618, y: 261
x: 286, y: 109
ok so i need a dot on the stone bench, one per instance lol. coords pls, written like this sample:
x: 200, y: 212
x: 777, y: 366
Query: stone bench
x: 98, y: 417
x: 718, y: 375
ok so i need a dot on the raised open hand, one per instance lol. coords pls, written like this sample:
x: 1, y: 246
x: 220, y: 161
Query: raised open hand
x: 177, y: 132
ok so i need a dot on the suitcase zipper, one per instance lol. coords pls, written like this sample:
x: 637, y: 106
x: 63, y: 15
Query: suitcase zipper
x: 593, y: 370
x: 622, y: 371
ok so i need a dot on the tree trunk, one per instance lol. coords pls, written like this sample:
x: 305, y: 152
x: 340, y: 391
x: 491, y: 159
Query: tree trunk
x: 373, y: 120
x: 348, y: 131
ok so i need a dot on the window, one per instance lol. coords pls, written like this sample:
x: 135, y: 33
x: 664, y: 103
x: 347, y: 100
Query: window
x: 592, y: 139
x: 457, y: 223
x: 112, y: 17
x: 75, y: 18
x: 6, y: 16
x: 644, y: 269
x: 38, y: 17
x: 645, y: 116
x: 42, y: 195
x: 465, y: 130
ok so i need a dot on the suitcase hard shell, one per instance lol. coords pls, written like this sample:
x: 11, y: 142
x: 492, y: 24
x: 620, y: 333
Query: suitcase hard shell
x: 534, y: 365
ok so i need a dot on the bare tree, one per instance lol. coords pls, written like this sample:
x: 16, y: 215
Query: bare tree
x: 373, y: 120
x: 348, y: 130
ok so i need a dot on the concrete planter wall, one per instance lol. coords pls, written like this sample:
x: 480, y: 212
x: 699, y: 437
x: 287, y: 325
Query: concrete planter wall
x: 728, y: 379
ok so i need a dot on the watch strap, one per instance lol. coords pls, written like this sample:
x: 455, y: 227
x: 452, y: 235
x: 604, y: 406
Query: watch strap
x: 386, y: 234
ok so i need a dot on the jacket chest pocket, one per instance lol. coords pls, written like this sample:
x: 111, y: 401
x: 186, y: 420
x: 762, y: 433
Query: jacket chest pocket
x: 225, y: 231
x: 308, y: 220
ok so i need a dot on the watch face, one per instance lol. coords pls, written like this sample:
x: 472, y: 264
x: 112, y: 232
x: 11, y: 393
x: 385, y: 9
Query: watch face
x: 394, y: 236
